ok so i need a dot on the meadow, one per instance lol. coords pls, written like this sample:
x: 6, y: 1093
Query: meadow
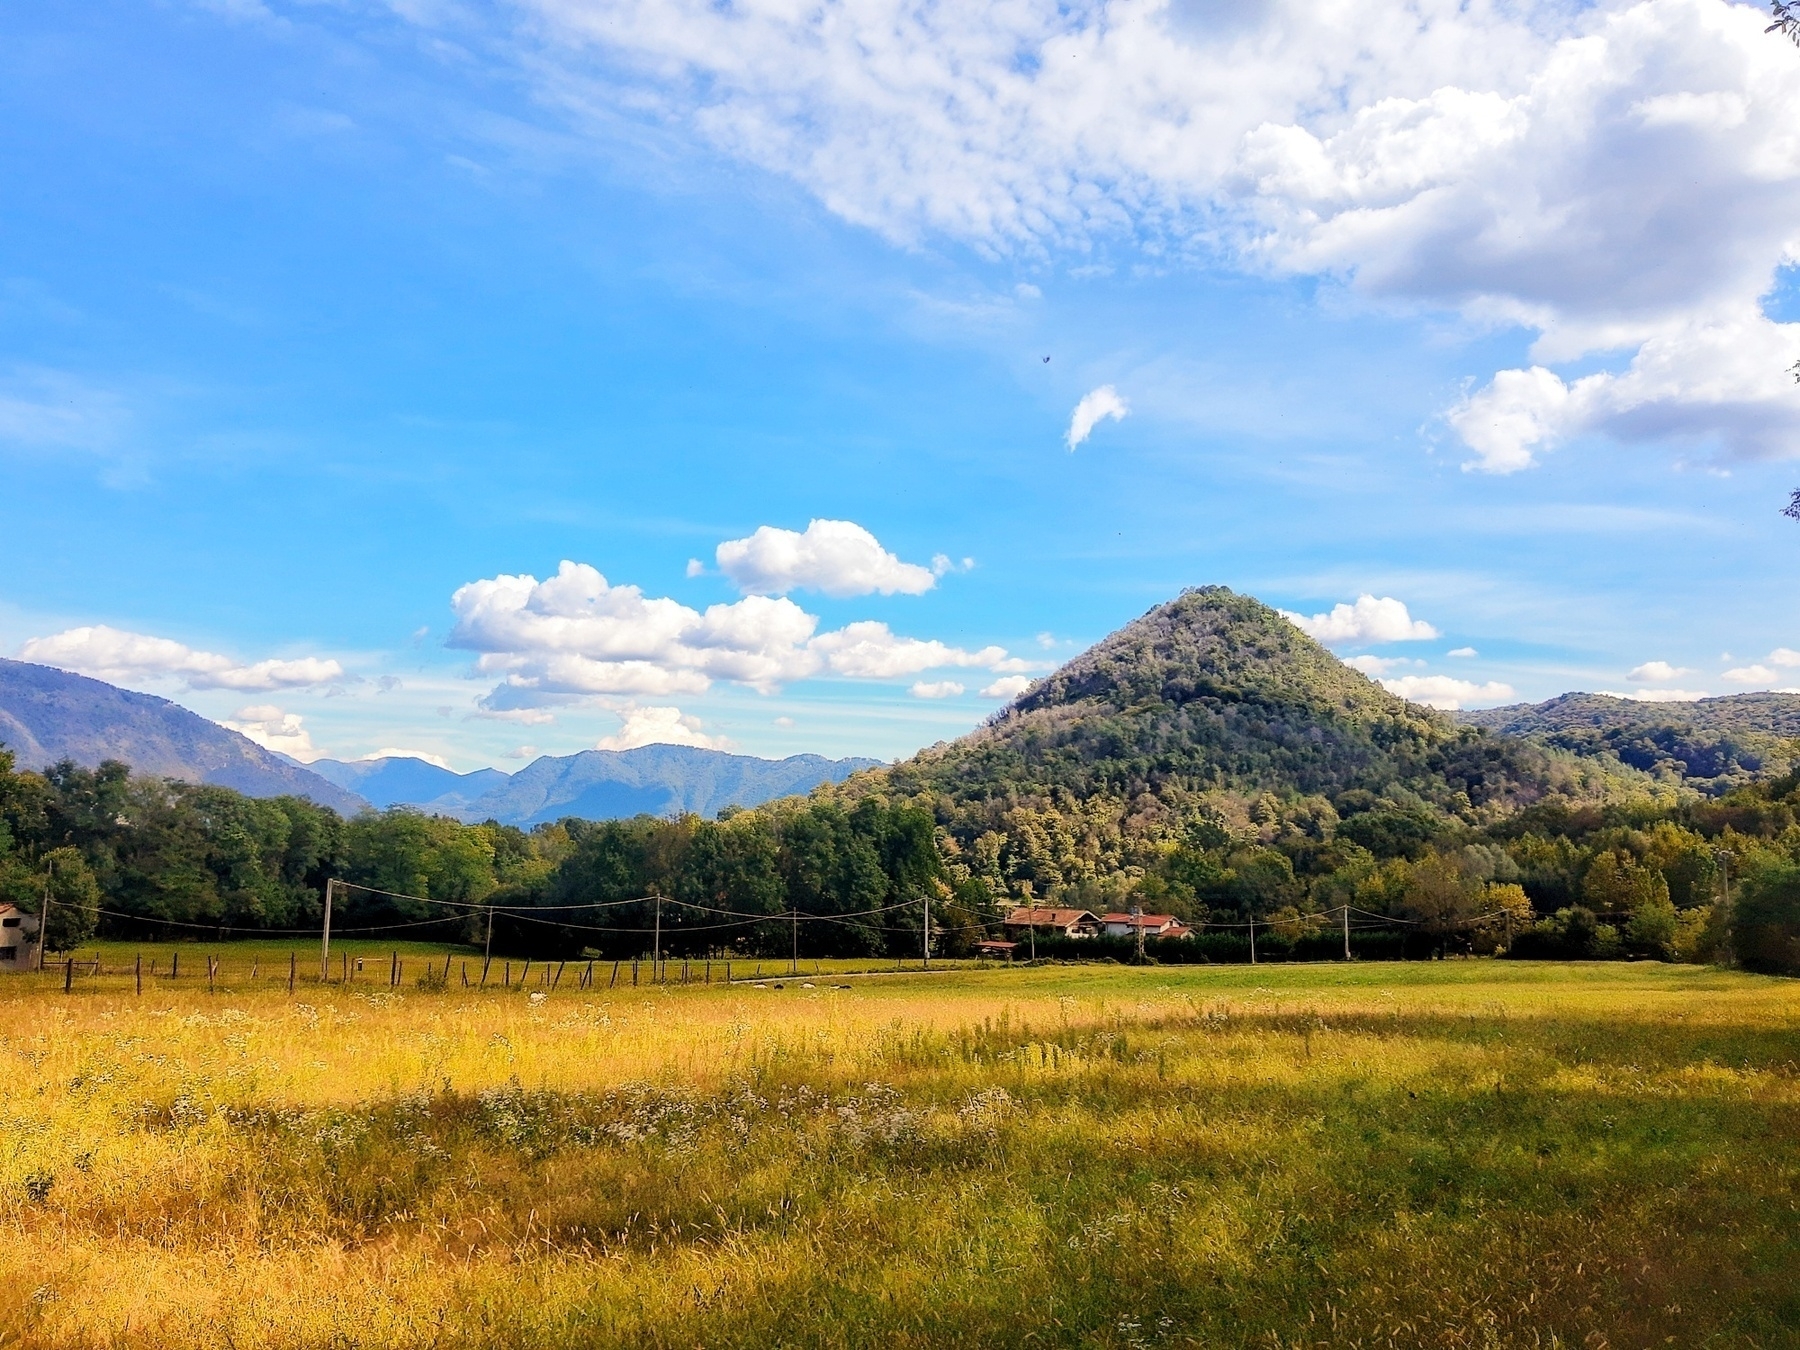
x: 1462, y: 1153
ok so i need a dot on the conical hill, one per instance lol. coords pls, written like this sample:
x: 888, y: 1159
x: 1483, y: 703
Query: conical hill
x: 1215, y: 692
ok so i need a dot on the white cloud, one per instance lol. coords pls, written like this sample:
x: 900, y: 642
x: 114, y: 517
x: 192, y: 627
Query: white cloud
x: 521, y: 752
x: 1367, y: 621
x: 576, y: 636
x: 1373, y: 666
x: 784, y: 722
x: 837, y: 557
x: 1463, y: 652
x: 1785, y: 657
x: 1656, y: 672
x: 695, y: 568
x: 659, y: 726
x: 1658, y: 695
x: 1752, y: 674
x: 936, y: 689
x: 119, y: 657
x: 1101, y: 403
x: 1446, y: 692
x: 273, y: 729
x: 1619, y: 176
x: 868, y: 650
x: 1007, y: 687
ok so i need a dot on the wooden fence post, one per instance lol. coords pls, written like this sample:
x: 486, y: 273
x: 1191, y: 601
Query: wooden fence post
x: 293, y: 965
x: 394, y: 970
x: 507, y: 974
x: 68, y: 975
x: 615, y: 976
x: 175, y: 965
x: 140, y: 973
x: 634, y: 964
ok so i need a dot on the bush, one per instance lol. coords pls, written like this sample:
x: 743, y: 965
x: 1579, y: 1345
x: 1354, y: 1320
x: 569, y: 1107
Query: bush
x: 1765, y: 919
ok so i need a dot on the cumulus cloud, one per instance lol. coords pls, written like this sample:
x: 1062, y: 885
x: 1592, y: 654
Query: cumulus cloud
x: 936, y: 689
x: 576, y: 636
x: 273, y: 729
x: 1658, y: 695
x: 1616, y: 177
x: 869, y: 650
x: 1463, y: 652
x: 1785, y: 657
x: 1656, y: 672
x: 1007, y: 687
x: 1751, y: 674
x: 1367, y: 621
x: 659, y: 726
x: 1374, y: 666
x: 836, y: 557
x: 1446, y: 692
x: 119, y: 657
x: 1094, y: 407
x: 521, y: 752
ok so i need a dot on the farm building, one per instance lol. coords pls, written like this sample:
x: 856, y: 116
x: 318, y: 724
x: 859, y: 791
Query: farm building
x: 1154, y: 925
x: 1075, y: 923
x: 18, y: 939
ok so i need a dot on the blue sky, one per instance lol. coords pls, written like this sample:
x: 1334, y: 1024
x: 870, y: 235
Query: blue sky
x: 311, y: 315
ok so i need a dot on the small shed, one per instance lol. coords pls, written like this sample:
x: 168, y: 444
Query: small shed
x: 996, y: 948
x: 18, y: 938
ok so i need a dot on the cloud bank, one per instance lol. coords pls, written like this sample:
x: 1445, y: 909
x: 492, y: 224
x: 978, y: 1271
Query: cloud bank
x: 1619, y: 179
x: 119, y: 657
x: 575, y: 636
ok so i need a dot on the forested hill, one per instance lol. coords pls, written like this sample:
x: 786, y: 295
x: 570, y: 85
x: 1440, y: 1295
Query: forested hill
x: 1215, y: 691
x: 1712, y: 745
x: 1209, y: 709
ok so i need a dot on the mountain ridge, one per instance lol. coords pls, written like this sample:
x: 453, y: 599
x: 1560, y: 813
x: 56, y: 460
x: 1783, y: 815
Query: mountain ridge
x: 47, y: 715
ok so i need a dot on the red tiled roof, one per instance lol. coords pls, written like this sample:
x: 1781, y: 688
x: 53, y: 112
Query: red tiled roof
x: 1059, y: 918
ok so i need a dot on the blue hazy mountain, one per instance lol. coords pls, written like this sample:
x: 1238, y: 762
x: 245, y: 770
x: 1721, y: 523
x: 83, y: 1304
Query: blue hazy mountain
x: 401, y: 780
x: 47, y: 715
x: 657, y: 780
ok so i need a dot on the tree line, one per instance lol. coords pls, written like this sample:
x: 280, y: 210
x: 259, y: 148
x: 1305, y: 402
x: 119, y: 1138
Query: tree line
x: 121, y: 855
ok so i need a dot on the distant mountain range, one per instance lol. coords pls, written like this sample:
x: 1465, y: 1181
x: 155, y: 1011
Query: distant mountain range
x: 656, y: 780
x: 1712, y: 745
x: 47, y: 715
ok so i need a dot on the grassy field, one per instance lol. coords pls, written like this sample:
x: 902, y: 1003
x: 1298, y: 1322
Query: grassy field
x: 1451, y: 1154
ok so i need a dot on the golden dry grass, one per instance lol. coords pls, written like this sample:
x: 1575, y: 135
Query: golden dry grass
x: 1458, y: 1154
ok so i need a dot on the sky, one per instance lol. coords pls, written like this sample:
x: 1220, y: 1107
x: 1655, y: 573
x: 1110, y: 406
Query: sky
x: 479, y: 382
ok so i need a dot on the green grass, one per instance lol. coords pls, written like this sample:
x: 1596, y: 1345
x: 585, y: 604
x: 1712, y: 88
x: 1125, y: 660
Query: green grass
x: 1454, y: 1154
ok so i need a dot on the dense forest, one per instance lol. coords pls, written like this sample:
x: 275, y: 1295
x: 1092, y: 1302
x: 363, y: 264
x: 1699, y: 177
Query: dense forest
x: 1208, y: 761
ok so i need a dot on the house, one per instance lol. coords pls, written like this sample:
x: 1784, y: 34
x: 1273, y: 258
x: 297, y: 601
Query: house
x: 1154, y: 925
x: 1075, y: 923
x: 18, y: 939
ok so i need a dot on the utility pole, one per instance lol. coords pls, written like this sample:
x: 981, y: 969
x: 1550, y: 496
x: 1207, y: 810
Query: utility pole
x: 1346, y: 932
x: 1137, y: 925
x: 656, y: 946
x: 928, y: 930
x: 487, y: 952
x: 1253, y: 939
x: 325, y: 933
x: 44, y: 916
x: 1032, y: 915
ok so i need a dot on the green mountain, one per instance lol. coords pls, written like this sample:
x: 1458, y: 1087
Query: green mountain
x: 1215, y: 691
x: 1211, y: 711
x: 1712, y: 745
